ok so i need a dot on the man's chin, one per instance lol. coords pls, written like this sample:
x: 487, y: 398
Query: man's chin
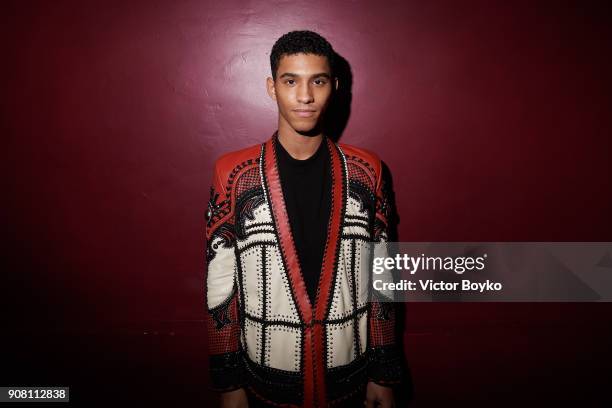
x: 307, y: 129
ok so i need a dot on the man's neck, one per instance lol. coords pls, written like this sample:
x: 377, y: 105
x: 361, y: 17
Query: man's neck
x: 300, y: 147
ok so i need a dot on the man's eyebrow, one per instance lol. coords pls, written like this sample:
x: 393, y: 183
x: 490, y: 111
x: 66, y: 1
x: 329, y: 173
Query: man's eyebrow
x: 319, y: 75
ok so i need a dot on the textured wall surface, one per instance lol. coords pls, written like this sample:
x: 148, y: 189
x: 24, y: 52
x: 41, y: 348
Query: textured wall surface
x: 492, y: 117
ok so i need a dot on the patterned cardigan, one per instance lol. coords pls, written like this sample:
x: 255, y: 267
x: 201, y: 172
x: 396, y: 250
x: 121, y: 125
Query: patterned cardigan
x: 263, y: 331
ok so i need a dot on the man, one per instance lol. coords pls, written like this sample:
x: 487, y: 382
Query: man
x: 289, y: 317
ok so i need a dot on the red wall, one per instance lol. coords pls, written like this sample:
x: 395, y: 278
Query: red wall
x: 493, y: 118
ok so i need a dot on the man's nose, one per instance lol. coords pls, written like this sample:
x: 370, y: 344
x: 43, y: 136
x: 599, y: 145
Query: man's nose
x: 304, y: 94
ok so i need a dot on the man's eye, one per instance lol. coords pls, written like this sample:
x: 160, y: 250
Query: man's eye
x: 320, y: 81
x: 290, y: 81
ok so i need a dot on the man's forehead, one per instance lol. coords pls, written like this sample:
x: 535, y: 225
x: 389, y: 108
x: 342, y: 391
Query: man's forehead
x: 303, y: 60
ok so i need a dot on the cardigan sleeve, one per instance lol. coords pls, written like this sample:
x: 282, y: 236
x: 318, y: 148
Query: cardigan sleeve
x: 222, y: 318
x: 385, y: 364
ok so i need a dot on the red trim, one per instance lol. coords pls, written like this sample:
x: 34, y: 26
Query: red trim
x: 289, y: 254
x: 281, y: 219
x: 314, y: 348
x: 308, y: 368
x: 326, y: 279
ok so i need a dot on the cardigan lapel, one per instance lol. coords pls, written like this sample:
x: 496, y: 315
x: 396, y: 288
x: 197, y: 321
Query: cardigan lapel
x: 312, y: 315
x: 274, y: 193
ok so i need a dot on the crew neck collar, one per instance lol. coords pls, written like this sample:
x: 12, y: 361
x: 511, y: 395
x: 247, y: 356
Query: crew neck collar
x: 285, y: 154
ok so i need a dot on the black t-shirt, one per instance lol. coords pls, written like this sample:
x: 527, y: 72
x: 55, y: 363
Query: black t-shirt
x: 306, y: 188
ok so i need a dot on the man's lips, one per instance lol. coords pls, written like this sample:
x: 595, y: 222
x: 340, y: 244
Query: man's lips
x: 304, y: 113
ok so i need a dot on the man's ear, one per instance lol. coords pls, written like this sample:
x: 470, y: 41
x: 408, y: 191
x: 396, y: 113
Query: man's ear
x: 336, y: 83
x: 271, y: 88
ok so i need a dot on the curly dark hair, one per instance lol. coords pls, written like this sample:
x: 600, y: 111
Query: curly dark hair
x: 307, y: 42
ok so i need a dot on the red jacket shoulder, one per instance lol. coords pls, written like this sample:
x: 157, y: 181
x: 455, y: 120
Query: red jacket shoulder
x: 364, y: 156
x: 231, y: 162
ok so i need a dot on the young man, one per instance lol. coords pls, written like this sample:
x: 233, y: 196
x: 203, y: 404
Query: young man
x: 289, y: 317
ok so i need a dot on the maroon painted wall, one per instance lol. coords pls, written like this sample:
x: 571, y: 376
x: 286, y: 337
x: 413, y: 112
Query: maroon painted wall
x: 493, y: 118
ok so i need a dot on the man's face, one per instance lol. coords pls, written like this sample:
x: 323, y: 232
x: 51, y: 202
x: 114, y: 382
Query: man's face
x: 302, y: 90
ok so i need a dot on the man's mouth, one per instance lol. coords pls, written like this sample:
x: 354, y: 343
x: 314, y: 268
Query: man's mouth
x: 304, y: 113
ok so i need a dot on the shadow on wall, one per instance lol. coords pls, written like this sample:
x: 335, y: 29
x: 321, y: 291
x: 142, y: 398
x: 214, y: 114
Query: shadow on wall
x: 339, y: 109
